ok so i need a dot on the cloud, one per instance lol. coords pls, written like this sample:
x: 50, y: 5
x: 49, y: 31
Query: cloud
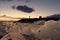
x: 50, y: 30
x: 13, y: 7
x: 54, y: 16
x: 23, y: 8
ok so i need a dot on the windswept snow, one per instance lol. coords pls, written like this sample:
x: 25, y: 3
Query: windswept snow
x: 39, y: 30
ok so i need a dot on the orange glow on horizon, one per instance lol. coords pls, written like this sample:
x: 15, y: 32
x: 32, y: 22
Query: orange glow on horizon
x: 8, y: 19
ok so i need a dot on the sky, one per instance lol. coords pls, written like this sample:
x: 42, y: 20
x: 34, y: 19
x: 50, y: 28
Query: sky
x: 42, y: 8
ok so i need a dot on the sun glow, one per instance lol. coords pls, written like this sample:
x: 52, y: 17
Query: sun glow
x: 8, y: 19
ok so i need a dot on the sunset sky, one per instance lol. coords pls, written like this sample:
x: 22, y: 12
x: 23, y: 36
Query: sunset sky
x: 42, y: 8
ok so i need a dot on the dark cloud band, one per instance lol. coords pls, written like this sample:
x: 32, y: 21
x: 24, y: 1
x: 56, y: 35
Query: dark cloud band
x: 23, y: 8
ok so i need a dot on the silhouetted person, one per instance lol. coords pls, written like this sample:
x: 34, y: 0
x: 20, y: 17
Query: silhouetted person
x: 40, y: 17
x: 29, y: 17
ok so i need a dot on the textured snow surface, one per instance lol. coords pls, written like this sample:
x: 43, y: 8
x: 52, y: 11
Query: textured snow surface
x: 39, y: 30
